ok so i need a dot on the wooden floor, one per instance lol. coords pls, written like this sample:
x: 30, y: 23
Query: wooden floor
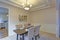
x: 4, y: 33
x: 43, y: 36
x: 49, y: 35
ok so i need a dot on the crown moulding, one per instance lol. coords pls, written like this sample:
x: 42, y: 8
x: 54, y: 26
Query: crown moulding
x: 34, y: 7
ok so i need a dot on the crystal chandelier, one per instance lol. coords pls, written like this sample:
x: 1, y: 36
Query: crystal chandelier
x: 27, y: 5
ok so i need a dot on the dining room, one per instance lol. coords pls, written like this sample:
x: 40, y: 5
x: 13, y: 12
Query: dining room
x: 31, y: 20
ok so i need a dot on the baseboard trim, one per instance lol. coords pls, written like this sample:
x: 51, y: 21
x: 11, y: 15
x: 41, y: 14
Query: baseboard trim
x: 7, y: 37
x: 48, y: 33
x: 54, y: 35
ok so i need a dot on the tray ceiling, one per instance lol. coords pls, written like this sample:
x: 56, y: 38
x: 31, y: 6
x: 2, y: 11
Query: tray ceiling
x: 37, y: 4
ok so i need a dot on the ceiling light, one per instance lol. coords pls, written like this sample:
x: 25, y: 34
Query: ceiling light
x: 26, y: 5
x: 26, y: 8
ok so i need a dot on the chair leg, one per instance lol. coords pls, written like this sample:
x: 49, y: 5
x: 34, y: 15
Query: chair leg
x: 38, y: 36
x: 20, y: 37
x: 35, y: 37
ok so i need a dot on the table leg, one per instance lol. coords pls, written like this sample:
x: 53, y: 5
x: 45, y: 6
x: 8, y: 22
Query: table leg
x: 17, y: 36
x: 20, y: 37
x: 32, y: 38
x: 23, y: 37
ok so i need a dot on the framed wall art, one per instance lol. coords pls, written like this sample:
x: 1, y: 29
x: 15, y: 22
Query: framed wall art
x: 23, y: 18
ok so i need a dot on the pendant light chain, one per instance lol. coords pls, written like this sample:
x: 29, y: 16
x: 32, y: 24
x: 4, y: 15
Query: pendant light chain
x: 26, y: 2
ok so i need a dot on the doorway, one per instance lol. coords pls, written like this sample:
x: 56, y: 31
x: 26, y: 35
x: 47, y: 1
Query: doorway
x: 3, y: 22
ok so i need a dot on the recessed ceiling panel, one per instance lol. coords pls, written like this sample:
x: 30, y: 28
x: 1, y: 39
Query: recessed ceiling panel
x: 33, y: 2
x: 36, y: 4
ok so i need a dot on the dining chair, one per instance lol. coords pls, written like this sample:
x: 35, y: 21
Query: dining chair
x: 30, y: 35
x: 37, y: 31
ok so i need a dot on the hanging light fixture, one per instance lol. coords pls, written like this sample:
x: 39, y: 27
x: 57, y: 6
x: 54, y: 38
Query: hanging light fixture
x: 27, y: 5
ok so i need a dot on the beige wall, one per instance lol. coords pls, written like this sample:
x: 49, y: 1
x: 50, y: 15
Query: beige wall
x: 47, y: 19
x: 13, y: 16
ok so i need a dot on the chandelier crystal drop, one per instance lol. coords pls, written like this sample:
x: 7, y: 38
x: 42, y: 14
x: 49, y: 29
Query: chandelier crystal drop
x: 26, y: 5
